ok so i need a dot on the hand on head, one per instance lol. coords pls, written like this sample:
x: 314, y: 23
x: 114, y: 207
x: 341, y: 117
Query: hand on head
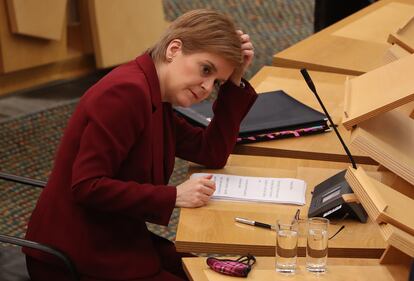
x: 247, y: 54
x: 195, y: 192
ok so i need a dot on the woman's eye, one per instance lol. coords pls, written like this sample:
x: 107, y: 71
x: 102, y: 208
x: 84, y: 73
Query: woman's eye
x: 206, y: 70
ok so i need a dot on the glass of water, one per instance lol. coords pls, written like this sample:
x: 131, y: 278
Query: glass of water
x: 317, y: 244
x: 286, y: 245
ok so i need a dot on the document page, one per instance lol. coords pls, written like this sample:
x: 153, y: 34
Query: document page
x: 259, y: 189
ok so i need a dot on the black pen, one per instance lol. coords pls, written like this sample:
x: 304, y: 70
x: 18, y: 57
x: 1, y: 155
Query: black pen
x: 297, y: 214
x: 296, y: 217
x: 254, y: 223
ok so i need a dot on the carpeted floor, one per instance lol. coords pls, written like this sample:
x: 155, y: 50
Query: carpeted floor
x: 28, y: 143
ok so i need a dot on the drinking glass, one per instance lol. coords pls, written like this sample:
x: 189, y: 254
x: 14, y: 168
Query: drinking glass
x: 317, y: 244
x: 286, y: 245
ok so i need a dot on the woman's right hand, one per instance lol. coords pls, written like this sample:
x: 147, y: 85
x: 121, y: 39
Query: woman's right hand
x: 247, y: 55
x: 195, y: 192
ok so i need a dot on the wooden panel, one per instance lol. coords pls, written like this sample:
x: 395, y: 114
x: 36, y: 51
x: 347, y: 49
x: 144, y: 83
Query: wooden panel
x: 211, y: 229
x: 382, y: 203
x: 395, y: 52
x: 63, y: 69
x: 398, y: 239
x: 324, y: 146
x: 378, y: 91
x: 79, y: 30
x: 44, y: 19
x: 338, y: 269
x: 123, y: 29
x: 389, y: 139
x: 354, y: 45
x: 399, y: 184
x: 403, y: 187
x: 393, y: 256
x: 20, y: 52
x: 389, y: 17
x: 404, y: 36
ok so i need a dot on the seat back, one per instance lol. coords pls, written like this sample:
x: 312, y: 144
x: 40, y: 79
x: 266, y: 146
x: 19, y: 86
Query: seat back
x: 12, y: 260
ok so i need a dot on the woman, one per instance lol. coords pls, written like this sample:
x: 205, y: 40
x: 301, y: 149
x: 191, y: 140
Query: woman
x: 117, y: 154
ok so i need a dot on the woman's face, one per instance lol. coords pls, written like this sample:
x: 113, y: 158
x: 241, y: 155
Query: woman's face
x: 191, y: 78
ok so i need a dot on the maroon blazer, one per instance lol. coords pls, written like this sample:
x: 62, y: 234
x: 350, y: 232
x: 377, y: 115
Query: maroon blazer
x: 112, y: 169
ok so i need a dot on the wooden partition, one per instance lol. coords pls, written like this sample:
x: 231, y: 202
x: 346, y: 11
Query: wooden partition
x: 43, y: 19
x: 386, y: 133
x: 354, y: 45
x: 70, y: 42
x: 19, y: 52
x: 393, y: 212
x: 378, y: 91
x: 404, y: 36
x: 122, y: 30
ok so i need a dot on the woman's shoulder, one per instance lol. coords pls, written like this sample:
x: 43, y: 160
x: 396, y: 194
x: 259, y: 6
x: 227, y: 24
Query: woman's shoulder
x: 126, y: 82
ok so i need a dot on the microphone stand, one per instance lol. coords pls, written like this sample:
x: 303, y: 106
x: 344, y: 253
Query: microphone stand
x: 327, y: 196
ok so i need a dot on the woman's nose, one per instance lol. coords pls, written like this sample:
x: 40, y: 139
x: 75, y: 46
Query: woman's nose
x: 208, y: 85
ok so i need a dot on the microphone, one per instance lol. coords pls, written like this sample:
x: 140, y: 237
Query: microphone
x: 312, y: 87
x: 328, y: 196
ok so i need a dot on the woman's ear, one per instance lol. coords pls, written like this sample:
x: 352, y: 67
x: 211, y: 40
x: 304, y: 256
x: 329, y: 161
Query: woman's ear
x: 173, y: 49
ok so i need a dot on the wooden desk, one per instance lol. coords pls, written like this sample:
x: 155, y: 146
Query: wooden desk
x: 338, y: 269
x: 211, y: 229
x: 354, y: 45
x: 324, y: 146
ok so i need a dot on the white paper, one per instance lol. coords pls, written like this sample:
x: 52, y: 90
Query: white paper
x: 259, y: 189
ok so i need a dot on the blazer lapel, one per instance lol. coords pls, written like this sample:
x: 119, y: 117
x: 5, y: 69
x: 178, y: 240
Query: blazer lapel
x: 157, y: 139
x: 157, y: 146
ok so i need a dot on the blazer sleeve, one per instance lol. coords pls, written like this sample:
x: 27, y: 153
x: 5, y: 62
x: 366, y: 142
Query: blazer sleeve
x: 112, y: 128
x: 212, y: 146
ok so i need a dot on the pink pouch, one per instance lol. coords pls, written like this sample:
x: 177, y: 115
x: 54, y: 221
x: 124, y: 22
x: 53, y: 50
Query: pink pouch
x: 239, y: 268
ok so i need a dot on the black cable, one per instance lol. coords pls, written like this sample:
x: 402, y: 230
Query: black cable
x: 339, y: 230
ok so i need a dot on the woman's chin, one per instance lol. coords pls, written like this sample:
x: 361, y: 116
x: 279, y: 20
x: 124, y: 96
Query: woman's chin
x: 184, y: 103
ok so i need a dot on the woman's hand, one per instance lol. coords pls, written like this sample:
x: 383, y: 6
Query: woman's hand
x: 247, y: 55
x: 195, y: 192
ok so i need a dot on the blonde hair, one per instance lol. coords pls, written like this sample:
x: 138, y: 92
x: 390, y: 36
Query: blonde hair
x: 201, y: 30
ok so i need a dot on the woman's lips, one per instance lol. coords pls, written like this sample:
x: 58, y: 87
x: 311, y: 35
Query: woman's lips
x: 194, y: 94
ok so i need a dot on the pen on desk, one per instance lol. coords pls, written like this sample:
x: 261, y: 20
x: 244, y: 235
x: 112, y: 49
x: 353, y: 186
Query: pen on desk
x: 297, y: 214
x: 254, y: 223
x: 296, y: 217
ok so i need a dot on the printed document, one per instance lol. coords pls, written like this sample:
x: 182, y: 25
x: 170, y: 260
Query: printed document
x: 259, y: 189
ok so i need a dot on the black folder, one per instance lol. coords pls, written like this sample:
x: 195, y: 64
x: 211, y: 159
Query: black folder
x: 274, y: 115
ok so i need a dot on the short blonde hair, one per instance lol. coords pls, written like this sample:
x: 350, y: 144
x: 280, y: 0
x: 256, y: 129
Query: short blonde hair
x: 201, y: 30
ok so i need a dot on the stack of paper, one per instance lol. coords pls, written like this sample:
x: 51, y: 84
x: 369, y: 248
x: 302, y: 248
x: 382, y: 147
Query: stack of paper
x: 378, y: 91
x: 382, y: 203
x: 258, y: 189
x: 388, y: 139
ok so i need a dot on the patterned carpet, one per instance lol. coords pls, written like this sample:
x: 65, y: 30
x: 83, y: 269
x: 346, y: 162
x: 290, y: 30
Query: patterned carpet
x: 28, y: 143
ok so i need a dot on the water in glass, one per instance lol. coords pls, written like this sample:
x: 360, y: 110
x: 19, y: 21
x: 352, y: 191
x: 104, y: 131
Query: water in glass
x: 317, y: 248
x: 286, y: 248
